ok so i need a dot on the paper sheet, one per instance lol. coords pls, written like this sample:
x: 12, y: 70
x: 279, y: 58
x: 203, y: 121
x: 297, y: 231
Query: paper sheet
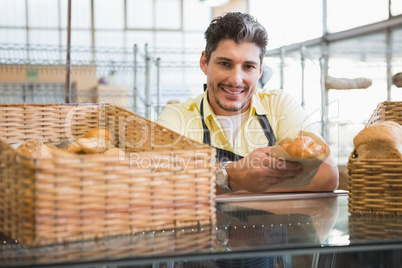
x: 310, y: 166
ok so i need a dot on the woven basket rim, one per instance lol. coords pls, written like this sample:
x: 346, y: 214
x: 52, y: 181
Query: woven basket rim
x: 200, y: 145
x: 57, y: 104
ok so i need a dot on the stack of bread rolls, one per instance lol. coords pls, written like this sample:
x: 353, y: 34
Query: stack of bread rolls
x: 96, y: 141
x: 382, y: 140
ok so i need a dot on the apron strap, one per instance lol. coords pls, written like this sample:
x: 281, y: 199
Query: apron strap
x: 266, y: 127
x: 222, y: 155
x: 207, y: 134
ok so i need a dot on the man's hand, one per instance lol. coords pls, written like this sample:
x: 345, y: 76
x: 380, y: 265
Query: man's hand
x: 258, y: 171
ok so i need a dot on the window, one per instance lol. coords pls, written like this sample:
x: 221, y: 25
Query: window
x: 345, y: 14
x: 140, y: 14
x: 109, y: 14
x: 12, y: 13
x: 396, y: 7
x: 288, y: 21
x: 80, y: 14
x: 196, y: 16
x: 43, y: 13
x: 13, y: 36
x: 44, y: 37
x: 168, y: 14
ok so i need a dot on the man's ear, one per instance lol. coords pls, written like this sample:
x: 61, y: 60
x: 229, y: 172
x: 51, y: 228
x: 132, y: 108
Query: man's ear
x: 261, y: 69
x: 203, y: 62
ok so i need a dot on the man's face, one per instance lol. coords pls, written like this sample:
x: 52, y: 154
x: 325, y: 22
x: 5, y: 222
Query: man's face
x: 232, y: 75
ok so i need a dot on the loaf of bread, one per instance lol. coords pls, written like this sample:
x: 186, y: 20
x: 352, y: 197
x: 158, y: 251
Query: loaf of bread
x: 70, y: 146
x: 382, y: 140
x: 93, y: 142
x: 397, y: 79
x: 34, y: 149
x: 59, y: 152
x: 37, y: 149
x: 94, y: 145
x: 347, y: 83
x: 302, y: 146
x: 102, y: 134
x: 114, y: 151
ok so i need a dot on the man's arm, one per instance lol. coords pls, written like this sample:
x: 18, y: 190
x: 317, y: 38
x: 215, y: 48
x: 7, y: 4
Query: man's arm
x: 258, y: 172
x: 325, y: 180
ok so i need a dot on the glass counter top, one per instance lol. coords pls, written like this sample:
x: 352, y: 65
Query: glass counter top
x: 251, y: 230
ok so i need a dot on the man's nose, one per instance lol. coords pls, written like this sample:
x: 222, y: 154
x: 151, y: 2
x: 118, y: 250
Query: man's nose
x: 236, y: 76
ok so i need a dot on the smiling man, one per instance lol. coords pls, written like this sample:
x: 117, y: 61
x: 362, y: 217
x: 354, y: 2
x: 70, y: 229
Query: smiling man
x: 238, y: 119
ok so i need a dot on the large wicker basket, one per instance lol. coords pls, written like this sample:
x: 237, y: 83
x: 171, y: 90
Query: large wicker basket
x: 163, y: 181
x: 374, y: 227
x: 375, y: 185
x: 144, y: 244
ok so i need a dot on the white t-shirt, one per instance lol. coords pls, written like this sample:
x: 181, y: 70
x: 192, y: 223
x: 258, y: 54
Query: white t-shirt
x: 232, y: 124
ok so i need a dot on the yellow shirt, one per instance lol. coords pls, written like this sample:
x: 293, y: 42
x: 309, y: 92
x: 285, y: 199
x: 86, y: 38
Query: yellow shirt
x: 285, y: 115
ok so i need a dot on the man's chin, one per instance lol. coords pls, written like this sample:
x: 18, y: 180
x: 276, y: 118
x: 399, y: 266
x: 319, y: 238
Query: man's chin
x: 231, y: 108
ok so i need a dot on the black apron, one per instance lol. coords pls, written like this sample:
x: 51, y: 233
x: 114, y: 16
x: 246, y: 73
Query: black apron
x: 225, y: 155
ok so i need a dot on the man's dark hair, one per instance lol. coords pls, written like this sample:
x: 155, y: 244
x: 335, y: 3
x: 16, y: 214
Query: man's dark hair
x: 236, y: 26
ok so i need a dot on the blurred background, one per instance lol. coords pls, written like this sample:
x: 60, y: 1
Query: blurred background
x: 337, y: 57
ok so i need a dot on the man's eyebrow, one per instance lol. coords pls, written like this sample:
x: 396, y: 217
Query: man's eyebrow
x: 228, y: 59
x: 223, y: 58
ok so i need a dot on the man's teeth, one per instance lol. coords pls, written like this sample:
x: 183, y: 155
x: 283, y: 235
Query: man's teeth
x: 231, y: 92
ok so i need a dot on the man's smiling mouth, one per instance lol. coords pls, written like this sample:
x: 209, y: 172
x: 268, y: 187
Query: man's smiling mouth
x: 225, y: 88
x: 232, y: 92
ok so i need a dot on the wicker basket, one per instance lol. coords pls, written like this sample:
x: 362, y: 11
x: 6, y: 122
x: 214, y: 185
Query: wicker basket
x: 375, y: 185
x: 374, y: 227
x: 163, y: 181
x: 163, y: 242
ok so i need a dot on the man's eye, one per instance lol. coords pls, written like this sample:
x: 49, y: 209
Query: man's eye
x: 225, y: 64
x: 249, y: 67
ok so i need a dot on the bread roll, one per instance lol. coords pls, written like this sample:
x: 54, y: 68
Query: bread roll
x: 379, y: 141
x: 70, y: 146
x: 58, y: 152
x: 397, y: 80
x: 34, y: 149
x: 102, y: 134
x: 347, y: 83
x: 114, y: 151
x: 94, y: 145
x: 302, y: 147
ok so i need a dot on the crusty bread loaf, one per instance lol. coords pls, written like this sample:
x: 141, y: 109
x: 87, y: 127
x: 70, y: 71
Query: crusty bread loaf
x: 347, y: 83
x: 101, y: 133
x: 382, y: 140
x: 34, y: 149
x: 58, y: 152
x: 397, y: 79
x: 114, y: 151
x: 302, y: 146
x: 94, y: 145
x: 70, y: 146
x: 37, y: 149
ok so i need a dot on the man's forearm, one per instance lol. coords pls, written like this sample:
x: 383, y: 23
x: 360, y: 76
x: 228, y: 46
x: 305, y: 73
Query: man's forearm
x: 325, y: 180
